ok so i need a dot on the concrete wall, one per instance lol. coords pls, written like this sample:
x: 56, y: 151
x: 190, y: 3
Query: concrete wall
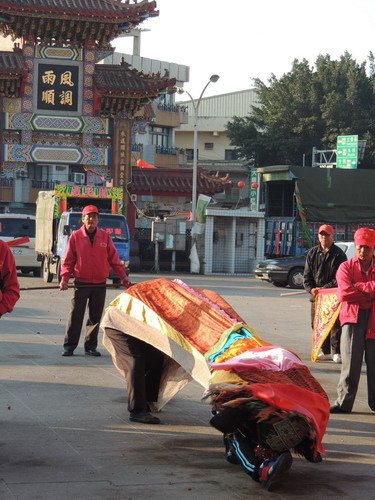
x: 178, y: 71
x: 213, y: 115
x: 225, y: 105
x: 184, y: 139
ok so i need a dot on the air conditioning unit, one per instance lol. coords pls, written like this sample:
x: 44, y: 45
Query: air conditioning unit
x: 78, y: 178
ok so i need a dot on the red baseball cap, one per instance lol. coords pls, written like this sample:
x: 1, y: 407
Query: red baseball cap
x: 365, y: 236
x: 326, y: 228
x: 90, y: 209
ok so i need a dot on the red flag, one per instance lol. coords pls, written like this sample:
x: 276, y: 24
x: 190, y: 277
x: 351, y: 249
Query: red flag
x: 144, y: 164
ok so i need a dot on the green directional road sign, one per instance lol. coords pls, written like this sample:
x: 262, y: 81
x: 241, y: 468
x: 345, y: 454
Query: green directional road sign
x: 347, y: 151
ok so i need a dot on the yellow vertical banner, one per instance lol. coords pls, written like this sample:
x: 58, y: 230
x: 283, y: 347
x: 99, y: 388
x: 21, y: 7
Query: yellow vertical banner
x: 327, y: 310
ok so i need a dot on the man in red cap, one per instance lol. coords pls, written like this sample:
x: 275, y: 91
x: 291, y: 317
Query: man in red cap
x: 321, y: 265
x: 356, y: 291
x: 89, y: 257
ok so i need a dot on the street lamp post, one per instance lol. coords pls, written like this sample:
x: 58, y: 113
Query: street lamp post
x: 195, y: 104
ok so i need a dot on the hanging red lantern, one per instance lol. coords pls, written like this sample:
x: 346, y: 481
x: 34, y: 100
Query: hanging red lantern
x: 255, y: 185
x: 240, y: 184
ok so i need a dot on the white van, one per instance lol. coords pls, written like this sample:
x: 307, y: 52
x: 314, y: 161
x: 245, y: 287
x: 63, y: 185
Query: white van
x: 17, y: 226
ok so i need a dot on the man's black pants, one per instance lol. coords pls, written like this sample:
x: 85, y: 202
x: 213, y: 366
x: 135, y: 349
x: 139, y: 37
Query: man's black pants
x: 143, y: 364
x: 94, y: 297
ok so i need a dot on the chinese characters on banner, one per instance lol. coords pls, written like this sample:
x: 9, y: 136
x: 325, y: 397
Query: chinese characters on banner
x: 65, y: 191
x: 122, y: 157
x: 58, y: 87
x: 253, y: 190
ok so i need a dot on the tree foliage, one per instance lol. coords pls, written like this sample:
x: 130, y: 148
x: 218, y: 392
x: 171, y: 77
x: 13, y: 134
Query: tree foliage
x: 308, y: 107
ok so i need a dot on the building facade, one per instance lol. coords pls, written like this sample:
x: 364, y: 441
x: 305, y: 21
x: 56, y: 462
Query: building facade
x: 64, y: 117
x: 154, y: 140
x: 215, y: 153
x: 71, y: 116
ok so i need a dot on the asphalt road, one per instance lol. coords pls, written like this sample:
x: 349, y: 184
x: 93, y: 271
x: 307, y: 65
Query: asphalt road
x: 65, y: 431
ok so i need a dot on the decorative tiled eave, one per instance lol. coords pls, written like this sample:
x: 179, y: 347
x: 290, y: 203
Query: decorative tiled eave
x: 72, y: 22
x: 12, y: 73
x: 175, y: 182
x: 111, y: 104
x: 119, y: 89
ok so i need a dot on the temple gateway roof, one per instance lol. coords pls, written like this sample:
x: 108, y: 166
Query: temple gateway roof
x: 109, y: 9
x: 120, y: 88
x: 12, y: 71
x: 74, y: 22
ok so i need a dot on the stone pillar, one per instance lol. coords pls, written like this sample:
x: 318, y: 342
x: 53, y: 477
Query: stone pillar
x: 121, y: 163
x: 208, y: 247
x: 231, y: 251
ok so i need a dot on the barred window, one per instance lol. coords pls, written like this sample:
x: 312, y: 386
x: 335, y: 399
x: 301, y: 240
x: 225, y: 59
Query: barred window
x: 160, y: 136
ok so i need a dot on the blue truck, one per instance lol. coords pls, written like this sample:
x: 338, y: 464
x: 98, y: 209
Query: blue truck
x: 57, y: 216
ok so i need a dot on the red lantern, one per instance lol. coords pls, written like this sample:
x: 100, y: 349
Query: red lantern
x: 255, y: 185
x: 240, y: 184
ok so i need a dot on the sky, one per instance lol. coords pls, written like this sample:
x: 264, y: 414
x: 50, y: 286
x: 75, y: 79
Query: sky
x: 245, y: 39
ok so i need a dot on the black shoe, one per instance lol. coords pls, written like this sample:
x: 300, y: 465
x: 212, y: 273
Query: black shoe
x: 143, y: 417
x: 337, y: 409
x: 67, y: 352
x: 271, y: 471
x: 92, y: 352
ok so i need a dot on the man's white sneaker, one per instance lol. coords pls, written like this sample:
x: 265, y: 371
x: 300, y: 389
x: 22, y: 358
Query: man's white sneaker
x: 324, y: 357
x: 336, y: 358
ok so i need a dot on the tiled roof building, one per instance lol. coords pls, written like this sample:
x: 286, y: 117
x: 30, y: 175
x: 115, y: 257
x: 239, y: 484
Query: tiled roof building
x: 67, y: 118
x: 76, y: 22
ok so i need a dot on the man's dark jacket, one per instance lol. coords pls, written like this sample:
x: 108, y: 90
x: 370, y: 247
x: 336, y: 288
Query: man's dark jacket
x: 320, y: 268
